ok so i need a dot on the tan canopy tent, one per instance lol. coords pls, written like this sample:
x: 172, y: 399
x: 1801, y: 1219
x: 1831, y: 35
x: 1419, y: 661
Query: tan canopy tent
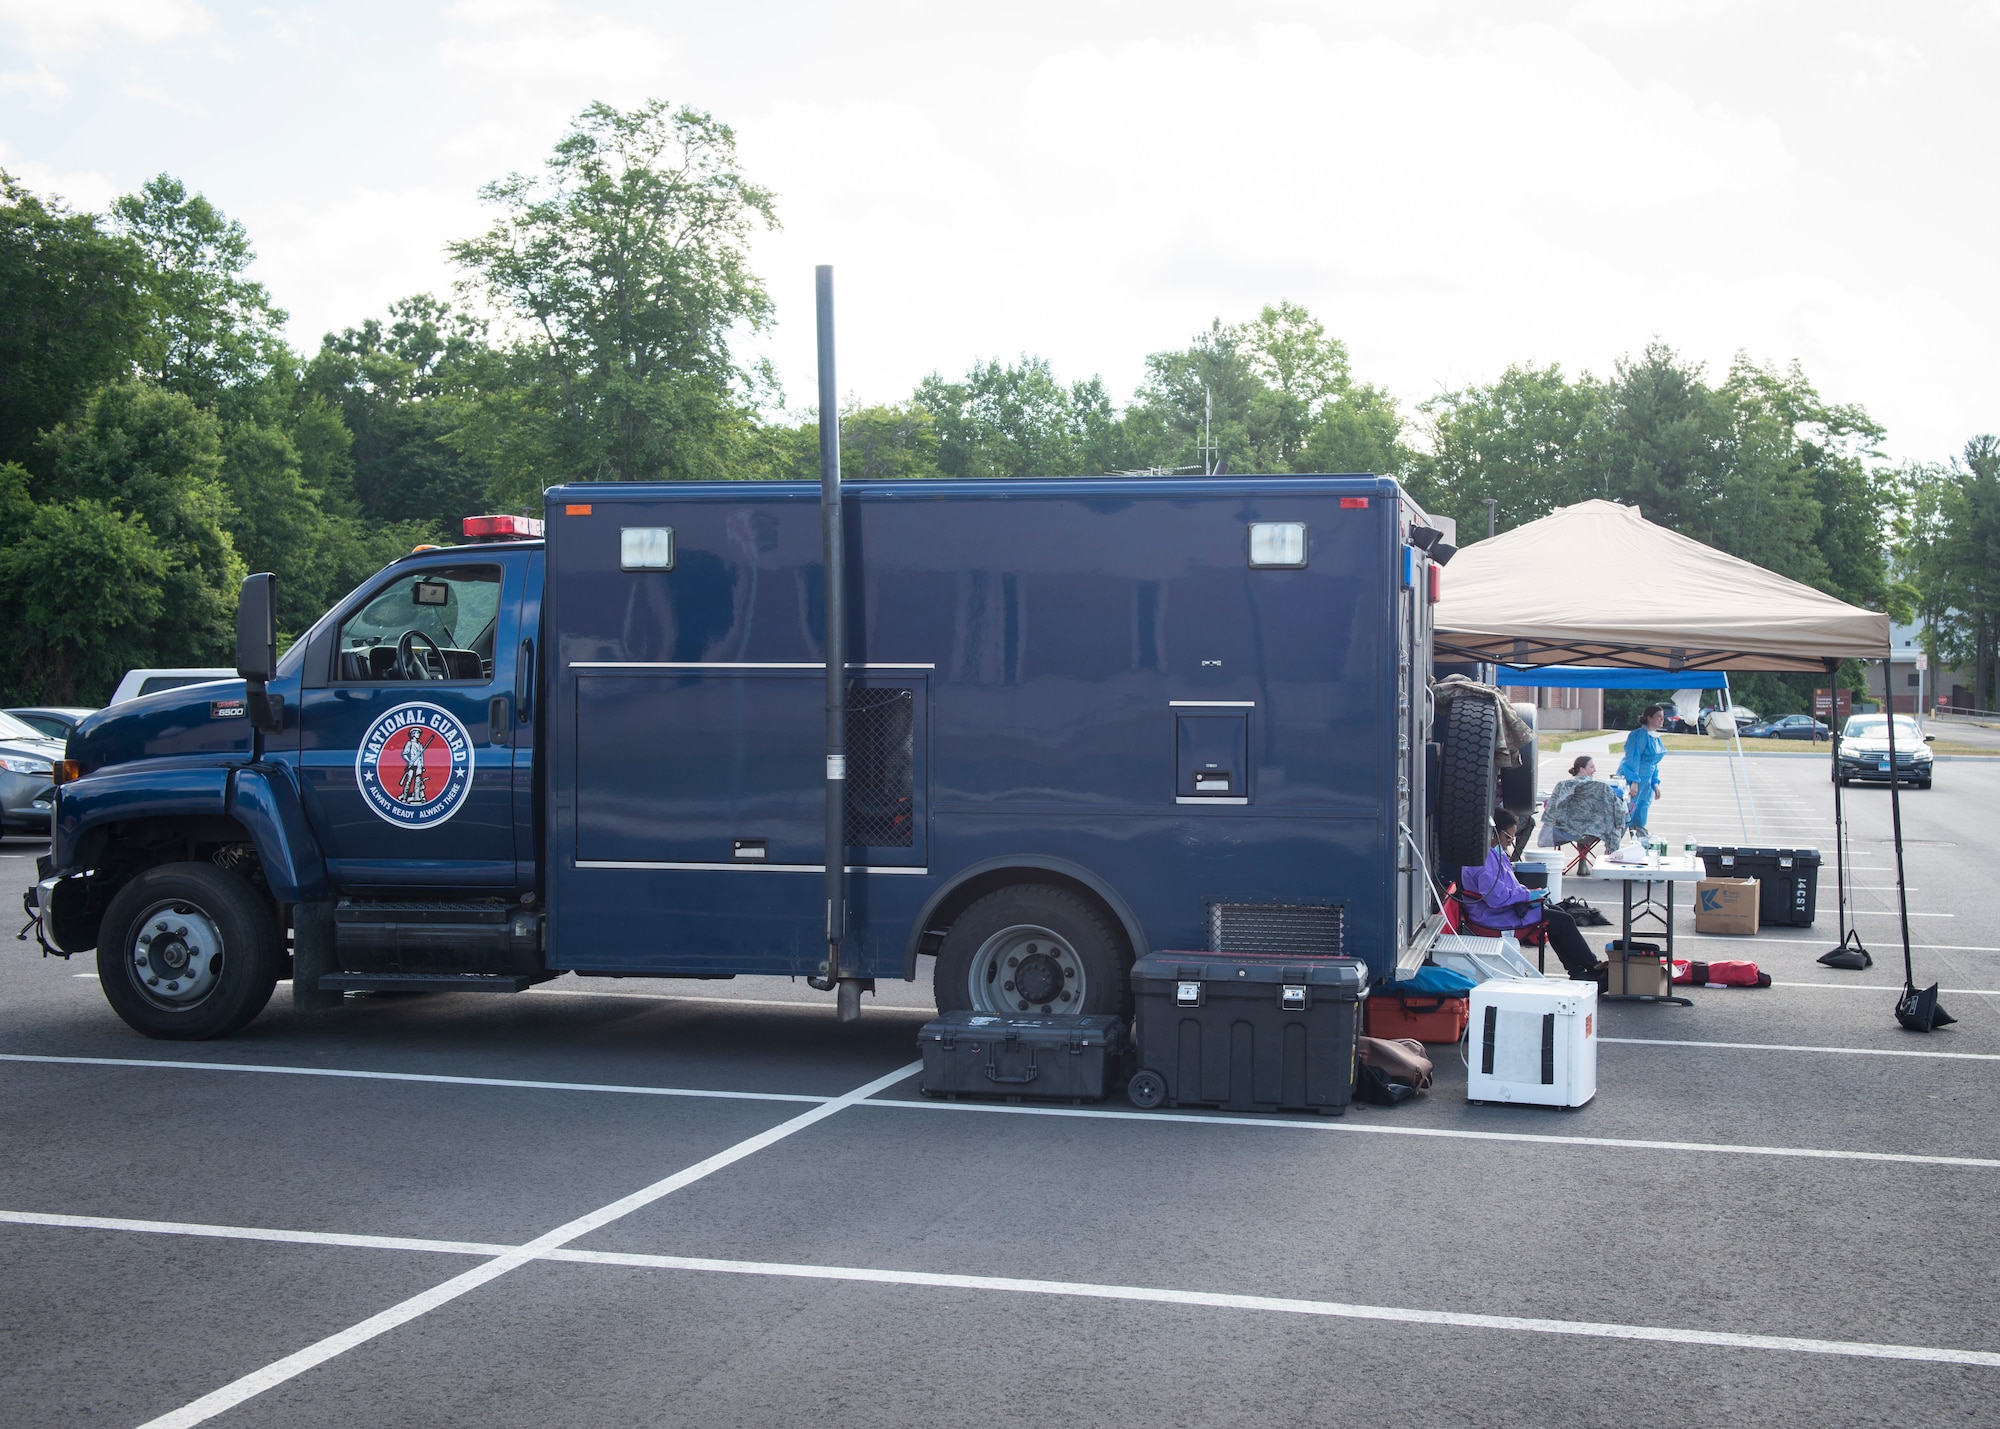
x: 1598, y: 584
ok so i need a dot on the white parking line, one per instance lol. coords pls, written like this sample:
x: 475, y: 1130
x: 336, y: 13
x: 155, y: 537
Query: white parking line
x: 276, y: 1373
x: 1141, y: 1294
x: 1196, y: 1118
x: 1279, y: 1123
x: 1801, y: 1047
x: 1891, y: 987
x: 342, y: 1072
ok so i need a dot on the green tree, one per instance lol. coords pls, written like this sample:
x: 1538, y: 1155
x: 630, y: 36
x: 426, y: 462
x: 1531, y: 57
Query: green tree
x: 1523, y: 442
x: 626, y: 266
x: 72, y: 314
x: 406, y: 391
x: 1273, y: 395
x: 1949, y: 545
x: 82, y: 593
x: 1019, y: 420
x: 142, y: 451
x: 214, y: 332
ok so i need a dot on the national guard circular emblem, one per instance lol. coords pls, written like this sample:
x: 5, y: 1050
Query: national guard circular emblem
x: 415, y: 765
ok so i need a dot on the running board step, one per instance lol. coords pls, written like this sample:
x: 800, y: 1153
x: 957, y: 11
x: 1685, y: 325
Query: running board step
x: 430, y: 982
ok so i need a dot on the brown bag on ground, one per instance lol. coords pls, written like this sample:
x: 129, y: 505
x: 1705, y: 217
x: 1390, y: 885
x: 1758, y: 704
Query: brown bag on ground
x: 1400, y: 1059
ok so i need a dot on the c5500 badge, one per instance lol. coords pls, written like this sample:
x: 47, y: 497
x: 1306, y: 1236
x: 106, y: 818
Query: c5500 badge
x: 415, y: 765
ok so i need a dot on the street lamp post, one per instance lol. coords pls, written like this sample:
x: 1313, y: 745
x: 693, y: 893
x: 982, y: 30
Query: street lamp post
x: 1492, y: 505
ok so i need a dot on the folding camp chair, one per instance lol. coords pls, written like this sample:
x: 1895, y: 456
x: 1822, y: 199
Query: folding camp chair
x: 1528, y: 935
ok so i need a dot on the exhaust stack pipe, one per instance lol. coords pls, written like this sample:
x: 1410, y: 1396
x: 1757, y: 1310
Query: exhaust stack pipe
x: 849, y: 1000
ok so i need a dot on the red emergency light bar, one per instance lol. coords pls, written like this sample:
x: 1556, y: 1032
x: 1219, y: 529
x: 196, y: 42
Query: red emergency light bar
x: 503, y: 528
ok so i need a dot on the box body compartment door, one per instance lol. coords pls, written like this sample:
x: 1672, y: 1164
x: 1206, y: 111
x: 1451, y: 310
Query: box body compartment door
x: 1212, y: 756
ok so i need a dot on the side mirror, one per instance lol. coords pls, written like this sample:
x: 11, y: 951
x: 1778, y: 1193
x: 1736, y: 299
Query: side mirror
x: 257, y: 628
x: 1930, y: 739
x: 257, y: 647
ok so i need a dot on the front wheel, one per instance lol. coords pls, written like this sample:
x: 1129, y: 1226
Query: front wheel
x: 187, y: 951
x: 1032, y: 949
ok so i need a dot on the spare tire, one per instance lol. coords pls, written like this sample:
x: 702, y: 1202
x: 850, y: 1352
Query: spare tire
x: 1517, y: 785
x: 1465, y: 786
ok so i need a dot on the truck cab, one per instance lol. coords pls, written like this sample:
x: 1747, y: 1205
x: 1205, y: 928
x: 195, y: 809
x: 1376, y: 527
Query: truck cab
x: 1090, y: 717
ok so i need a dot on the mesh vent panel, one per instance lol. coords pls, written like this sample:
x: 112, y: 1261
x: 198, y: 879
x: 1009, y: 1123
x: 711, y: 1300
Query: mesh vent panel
x: 880, y: 762
x: 1311, y: 930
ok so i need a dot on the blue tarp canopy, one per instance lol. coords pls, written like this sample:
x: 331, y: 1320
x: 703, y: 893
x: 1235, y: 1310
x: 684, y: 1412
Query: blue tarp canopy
x: 1586, y: 677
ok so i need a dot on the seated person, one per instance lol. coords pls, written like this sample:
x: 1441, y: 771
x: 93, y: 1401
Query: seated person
x: 1495, y: 898
x: 1580, y: 807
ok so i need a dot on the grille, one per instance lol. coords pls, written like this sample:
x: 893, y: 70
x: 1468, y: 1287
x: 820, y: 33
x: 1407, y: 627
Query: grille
x: 880, y: 765
x: 1310, y: 930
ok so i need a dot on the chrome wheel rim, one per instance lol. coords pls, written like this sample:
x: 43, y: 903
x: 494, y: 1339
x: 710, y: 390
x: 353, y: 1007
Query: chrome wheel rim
x: 176, y: 955
x: 1027, y: 968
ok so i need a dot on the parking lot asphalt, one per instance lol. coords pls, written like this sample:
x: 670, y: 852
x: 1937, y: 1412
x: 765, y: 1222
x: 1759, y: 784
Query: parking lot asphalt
x: 710, y: 1203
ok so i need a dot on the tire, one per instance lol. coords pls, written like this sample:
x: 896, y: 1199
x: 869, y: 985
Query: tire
x: 1517, y: 786
x: 220, y: 959
x: 1465, y: 793
x: 1923, y: 783
x: 1073, y: 956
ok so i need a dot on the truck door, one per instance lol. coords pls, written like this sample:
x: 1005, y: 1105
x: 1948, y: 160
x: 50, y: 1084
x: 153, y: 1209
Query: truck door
x: 406, y: 752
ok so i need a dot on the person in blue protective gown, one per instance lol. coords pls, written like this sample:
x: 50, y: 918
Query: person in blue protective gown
x: 1640, y: 768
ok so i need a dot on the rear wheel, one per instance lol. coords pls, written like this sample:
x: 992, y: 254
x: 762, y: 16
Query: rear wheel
x: 1032, y: 949
x: 187, y: 951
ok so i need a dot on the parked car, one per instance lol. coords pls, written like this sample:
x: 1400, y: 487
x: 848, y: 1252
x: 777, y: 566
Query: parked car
x: 54, y: 721
x: 1796, y: 726
x: 1743, y: 714
x: 1864, y: 751
x: 27, y: 778
x: 151, y: 682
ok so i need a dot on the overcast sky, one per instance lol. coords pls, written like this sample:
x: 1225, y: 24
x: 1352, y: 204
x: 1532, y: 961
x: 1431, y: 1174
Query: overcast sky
x: 1450, y: 187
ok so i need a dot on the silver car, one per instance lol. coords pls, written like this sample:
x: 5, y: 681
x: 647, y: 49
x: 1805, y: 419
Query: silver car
x: 27, y: 778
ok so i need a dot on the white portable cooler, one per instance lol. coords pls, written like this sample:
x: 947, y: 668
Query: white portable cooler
x: 1532, y: 1042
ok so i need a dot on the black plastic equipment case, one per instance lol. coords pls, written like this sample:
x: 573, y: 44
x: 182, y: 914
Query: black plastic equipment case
x: 1247, y: 1033
x: 1787, y: 880
x: 1062, y: 1058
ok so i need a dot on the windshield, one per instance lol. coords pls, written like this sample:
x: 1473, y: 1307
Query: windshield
x: 11, y: 728
x: 1876, y: 727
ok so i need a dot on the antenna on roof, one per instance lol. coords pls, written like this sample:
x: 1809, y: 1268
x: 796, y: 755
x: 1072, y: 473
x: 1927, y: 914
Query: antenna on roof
x: 1207, y: 449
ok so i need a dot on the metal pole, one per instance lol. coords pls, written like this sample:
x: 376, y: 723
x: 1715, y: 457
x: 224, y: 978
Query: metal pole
x: 836, y: 635
x: 1492, y: 515
x: 1896, y: 820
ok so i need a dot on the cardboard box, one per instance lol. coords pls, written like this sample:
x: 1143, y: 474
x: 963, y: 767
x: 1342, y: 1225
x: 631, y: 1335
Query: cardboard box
x: 1637, y: 974
x: 1726, y: 905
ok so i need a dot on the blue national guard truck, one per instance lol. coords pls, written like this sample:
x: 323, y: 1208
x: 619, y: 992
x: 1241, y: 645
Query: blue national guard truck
x: 1085, y: 718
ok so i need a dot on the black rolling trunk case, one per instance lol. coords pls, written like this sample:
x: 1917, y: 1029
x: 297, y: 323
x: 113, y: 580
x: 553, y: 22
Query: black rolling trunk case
x: 1062, y: 1058
x: 1247, y: 1033
x: 1787, y: 880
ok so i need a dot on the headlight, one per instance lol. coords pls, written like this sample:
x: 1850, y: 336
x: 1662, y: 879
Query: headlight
x: 16, y: 764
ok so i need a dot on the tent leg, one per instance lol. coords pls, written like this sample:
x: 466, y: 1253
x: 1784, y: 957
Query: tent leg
x: 1917, y: 1011
x: 1848, y: 952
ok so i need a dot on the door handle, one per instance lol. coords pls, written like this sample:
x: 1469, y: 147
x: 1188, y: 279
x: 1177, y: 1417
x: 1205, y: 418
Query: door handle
x: 524, y: 681
x: 499, y: 729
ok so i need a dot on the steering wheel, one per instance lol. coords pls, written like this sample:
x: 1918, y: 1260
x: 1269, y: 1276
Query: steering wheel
x: 418, y: 667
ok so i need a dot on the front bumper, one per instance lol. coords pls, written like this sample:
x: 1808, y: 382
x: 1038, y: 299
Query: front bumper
x: 27, y: 803
x: 55, y: 905
x: 1875, y: 768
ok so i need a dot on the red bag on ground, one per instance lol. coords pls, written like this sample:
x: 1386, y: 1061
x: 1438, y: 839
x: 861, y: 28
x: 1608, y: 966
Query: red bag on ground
x: 1737, y: 974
